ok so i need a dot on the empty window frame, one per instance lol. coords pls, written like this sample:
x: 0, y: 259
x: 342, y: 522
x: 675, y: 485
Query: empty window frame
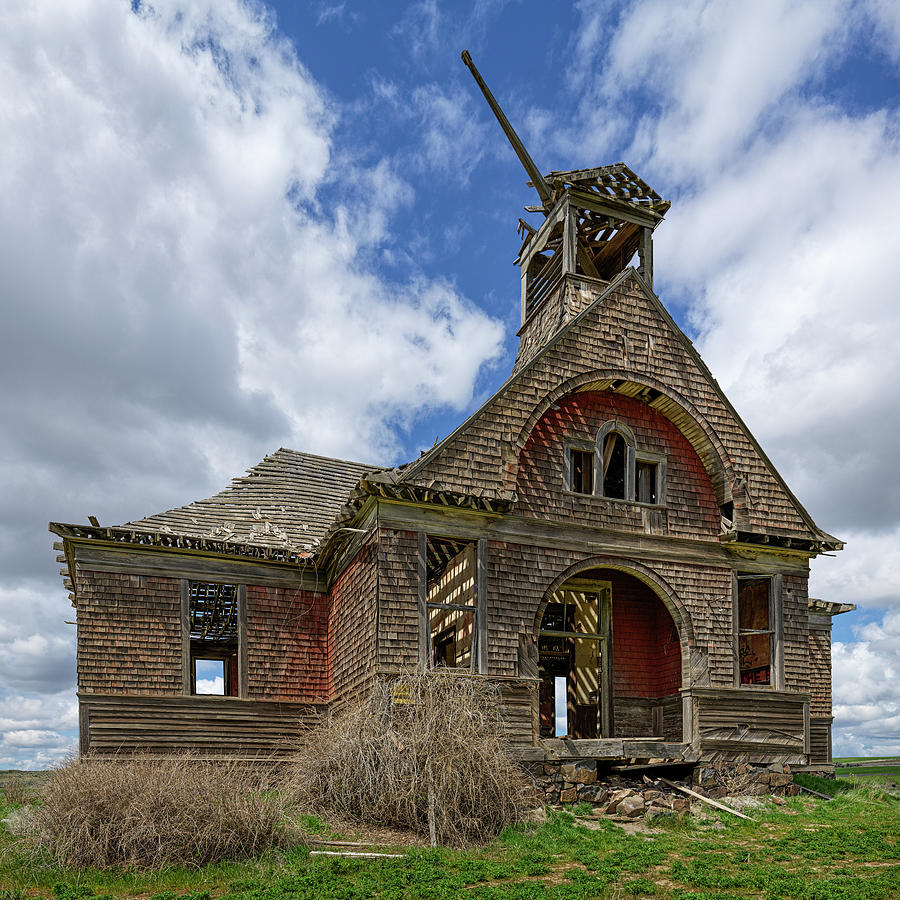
x: 614, y: 459
x: 758, y: 630
x: 650, y: 478
x: 580, y: 469
x: 613, y: 468
x: 645, y: 482
x: 451, y: 597
x: 214, y: 638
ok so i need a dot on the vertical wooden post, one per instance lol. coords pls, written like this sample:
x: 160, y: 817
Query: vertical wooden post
x: 570, y: 240
x: 645, y: 255
x: 776, y: 611
x: 424, y: 626
x: 735, y: 630
x: 607, y: 700
x: 84, y: 728
x: 524, y: 292
x: 806, y: 739
x: 687, y: 717
x: 432, y: 824
x: 243, y: 687
x: 481, y: 567
x: 186, y: 636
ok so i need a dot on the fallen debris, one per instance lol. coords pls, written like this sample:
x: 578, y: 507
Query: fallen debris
x: 714, y: 803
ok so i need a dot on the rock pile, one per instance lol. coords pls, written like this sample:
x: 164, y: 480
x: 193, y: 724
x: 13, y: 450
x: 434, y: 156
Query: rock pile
x: 633, y: 794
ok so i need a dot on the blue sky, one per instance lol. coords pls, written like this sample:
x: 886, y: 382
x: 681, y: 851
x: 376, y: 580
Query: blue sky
x: 230, y: 227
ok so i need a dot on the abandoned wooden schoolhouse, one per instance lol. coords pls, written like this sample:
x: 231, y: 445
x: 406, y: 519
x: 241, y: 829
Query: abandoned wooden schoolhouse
x: 603, y: 539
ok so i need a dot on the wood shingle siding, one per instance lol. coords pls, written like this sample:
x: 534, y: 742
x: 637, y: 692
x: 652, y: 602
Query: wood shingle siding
x: 352, y: 624
x: 624, y: 334
x: 129, y: 634
x: 398, y: 600
x: 820, y: 673
x: 336, y: 566
x: 287, y: 645
x: 690, y: 508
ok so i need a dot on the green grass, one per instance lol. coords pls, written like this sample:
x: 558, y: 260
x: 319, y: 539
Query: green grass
x: 841, y: 771
x: 808, y: 849
x: 830, y: 786
x: 845, y: 759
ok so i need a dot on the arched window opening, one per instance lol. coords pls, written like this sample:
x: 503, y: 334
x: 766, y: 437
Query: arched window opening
x: 614, y: 459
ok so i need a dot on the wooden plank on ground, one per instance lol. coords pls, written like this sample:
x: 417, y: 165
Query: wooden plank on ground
x: 714, y: 803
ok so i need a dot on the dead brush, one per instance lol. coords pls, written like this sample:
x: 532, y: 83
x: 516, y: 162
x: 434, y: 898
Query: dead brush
x: 152, y: 813
x: 20, y: 789
x: 423, y: 752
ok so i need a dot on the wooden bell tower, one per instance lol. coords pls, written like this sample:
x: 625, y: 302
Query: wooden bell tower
x: 596, y: 220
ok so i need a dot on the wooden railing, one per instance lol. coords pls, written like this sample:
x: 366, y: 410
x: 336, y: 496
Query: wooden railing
x: 543, y: 283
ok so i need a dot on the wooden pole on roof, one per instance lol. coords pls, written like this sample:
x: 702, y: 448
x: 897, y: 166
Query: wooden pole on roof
x: 537, y: 179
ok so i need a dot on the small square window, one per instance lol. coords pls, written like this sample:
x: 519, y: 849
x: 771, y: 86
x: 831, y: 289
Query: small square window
x: 581, y: 463
x: 646, y: 490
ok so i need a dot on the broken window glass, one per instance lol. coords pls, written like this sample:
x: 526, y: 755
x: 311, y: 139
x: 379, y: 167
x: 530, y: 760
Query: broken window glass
x: 755, y: 630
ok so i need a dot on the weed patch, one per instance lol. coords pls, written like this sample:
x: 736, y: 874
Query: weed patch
x: 152, y: 813
x: 423, y: 751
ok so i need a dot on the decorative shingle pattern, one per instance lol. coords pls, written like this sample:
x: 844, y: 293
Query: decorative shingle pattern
x: 624, y: 330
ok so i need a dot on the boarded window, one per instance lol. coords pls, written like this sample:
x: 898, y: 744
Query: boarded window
x: 614, y: 459
x: 581, y: 467
x: 755, y: 632
x: 451, y: 604
x: 213, y: 617
x: 646, y: 480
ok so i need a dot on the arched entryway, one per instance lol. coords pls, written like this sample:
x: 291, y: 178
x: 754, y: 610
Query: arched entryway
x: 610, y: 660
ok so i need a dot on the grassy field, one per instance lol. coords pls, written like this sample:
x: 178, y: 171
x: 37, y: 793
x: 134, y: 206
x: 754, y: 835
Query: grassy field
x: 809, y: 849
x: 862, y: 767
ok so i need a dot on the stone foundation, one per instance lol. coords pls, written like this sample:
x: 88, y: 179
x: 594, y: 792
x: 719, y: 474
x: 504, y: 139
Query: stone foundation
x: 634, y: 793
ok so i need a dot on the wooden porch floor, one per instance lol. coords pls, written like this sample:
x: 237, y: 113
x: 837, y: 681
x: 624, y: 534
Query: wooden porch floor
x: 613, y: 749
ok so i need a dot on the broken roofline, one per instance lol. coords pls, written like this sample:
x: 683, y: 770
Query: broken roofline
x: 171, y: 540
x: 367, y: 487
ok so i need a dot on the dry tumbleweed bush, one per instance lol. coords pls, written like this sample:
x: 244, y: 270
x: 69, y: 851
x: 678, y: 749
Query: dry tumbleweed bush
x: 375, y: 762
x: 153, y: 813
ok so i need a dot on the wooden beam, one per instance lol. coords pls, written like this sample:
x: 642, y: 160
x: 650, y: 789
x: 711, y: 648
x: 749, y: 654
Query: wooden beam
x: 481, y: 569
x: 186, y: 637
x: 243, y: 671
x: 473, y: 524
x: 570, y: 240
x: 97, y: 556
x: 646, y: 255
x: 534, y: 173
x: 611, y: 206
x: 422, y: 600
x: 707, y: 800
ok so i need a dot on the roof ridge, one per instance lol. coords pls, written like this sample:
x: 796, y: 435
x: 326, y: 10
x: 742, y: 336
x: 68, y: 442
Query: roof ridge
x: 305, y: 453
